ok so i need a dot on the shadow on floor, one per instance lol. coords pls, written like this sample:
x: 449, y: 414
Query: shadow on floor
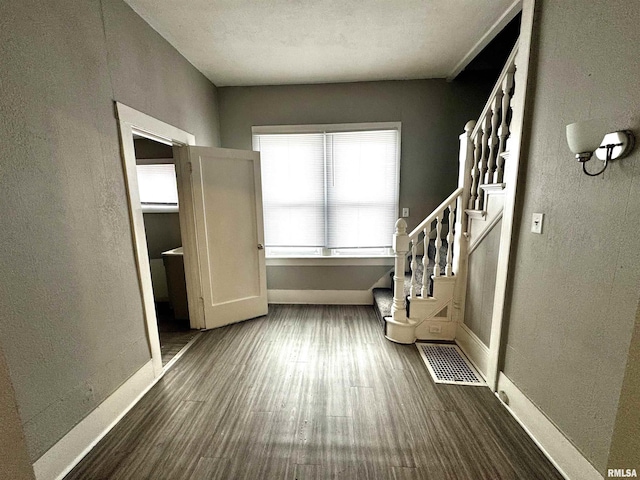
x: 174, y: 334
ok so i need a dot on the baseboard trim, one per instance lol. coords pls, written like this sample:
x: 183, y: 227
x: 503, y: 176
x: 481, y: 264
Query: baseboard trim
x: 70, y: 449
x: 321, y: 297
x: 475, y: 350
x: 558, y: 449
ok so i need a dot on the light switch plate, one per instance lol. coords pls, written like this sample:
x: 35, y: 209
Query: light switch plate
x: 405, y: 212
x: 536, y: 222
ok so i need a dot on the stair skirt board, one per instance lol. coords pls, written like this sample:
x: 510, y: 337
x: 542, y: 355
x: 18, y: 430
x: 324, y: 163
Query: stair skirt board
x: 447, y: 364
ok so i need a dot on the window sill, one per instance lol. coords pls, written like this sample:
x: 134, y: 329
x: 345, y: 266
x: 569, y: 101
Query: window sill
x: 343, y: 260
x: 159, y: 208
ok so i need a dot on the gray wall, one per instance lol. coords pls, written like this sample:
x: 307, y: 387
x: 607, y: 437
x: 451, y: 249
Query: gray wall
x: 625, y: 445
x: 14, y: 458
x: 433, y: 114
x: 72, y: 324
x: 163, y: 232
x: 324, y: 278
x: 575, y: 288
x: 481, y: 285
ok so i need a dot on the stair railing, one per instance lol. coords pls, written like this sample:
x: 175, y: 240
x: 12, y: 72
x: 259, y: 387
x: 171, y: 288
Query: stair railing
x: 483, y: 147
x: 490, y: 134
x: 419, y: 238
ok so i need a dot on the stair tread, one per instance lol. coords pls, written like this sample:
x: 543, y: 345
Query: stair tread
x: 383, y: 297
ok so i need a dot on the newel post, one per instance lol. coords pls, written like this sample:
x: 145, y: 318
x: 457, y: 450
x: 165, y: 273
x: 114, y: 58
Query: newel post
x: 466, y: 163
x: 460, y: 242
x: 401, y: 248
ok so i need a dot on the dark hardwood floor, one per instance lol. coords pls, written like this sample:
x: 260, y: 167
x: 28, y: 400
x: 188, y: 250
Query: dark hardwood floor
x: 312, y: 392
x: 174, y: 334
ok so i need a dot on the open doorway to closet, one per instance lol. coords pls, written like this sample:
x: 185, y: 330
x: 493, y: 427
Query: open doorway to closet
x: 158, y: 190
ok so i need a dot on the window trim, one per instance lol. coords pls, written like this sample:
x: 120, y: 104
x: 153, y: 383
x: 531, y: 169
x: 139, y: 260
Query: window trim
x: 331, y: 128
x: 325, y: 261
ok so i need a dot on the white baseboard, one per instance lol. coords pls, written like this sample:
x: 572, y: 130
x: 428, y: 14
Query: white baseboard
x: 473, y: 348
x: 70, y: 449
x: 560, y: 451
x: 321, y: 297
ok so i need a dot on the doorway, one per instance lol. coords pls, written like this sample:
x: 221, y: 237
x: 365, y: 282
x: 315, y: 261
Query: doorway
x: 221, y: 227
x: 135, y: 125
x: 158, y: 191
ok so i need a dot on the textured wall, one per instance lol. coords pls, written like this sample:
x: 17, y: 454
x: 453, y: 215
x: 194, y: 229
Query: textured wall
x: 14, y: 458
x: 481, y: 285
x: 72, y: 326
x: 324, y: 278
x: 433, y: 114
x: 575, y: 288
x: 625, y: 445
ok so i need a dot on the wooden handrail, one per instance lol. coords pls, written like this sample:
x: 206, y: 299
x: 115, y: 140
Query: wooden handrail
x: 426, y: 223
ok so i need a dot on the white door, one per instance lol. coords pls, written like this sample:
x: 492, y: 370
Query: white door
x: 229, y: 233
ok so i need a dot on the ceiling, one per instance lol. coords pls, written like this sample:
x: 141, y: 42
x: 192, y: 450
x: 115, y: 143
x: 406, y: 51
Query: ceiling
x: 275, y: 42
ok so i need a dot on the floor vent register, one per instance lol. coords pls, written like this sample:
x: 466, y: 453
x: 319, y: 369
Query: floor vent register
x: 447, y: 364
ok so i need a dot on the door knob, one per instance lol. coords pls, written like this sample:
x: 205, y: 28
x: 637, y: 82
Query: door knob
x: 260, y: 246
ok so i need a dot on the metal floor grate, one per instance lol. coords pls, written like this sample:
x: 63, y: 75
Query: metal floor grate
x: 447, y: 364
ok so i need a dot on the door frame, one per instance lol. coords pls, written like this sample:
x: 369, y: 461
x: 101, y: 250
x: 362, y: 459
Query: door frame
x: 130, y: 122
x: 523, y: 58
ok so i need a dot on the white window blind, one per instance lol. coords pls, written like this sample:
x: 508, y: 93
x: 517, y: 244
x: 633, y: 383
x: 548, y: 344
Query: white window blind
x: 362, y: 188
x: 335, y: 190
x: 157, y: 184
x: 292, y: 189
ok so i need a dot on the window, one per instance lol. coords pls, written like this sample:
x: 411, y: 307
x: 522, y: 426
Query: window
x: 329, y: 189
x: 158, y: 187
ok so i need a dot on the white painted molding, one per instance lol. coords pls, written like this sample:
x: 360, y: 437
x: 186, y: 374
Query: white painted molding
x: 475, y: 350
x: 511, y: 178
x: 478, y: 240
x: 493, y: 188
x: 130, y: 122
x: 560, y: 451
x: 70, y: 449
x: 476, y: 214
x: 325, y: 127
x: 319, y: 261
x: 494, y: 30
x: 321, y: 297
x: 160, y: 208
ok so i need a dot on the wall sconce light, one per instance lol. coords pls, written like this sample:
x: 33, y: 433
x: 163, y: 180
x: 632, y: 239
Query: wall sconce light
x: 589, y: 136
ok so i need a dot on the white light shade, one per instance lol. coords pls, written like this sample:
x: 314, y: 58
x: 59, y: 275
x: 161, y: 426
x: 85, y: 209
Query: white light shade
x: 585, y: 136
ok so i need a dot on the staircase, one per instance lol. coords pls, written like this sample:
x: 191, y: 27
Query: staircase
x: 383, y: 297
x: 431, y: 306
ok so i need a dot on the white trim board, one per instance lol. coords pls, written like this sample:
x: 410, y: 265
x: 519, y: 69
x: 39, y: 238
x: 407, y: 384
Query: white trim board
x: 321, y: 297
x: 319, y: 261
x: 489, y: 35
x: 560, y: 451
x: 70, y: 449
x: 475, y: 350
x: 130, y: 122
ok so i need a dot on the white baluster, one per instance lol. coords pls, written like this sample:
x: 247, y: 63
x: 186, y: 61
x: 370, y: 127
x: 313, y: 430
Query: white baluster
x: 486, y: 128
x: 436, y: 266
x: 493, y: 140
x: 448, y: 271
x: 401, y: 248
x: 425, y: 263
x: 477, y: 152
x: 414, y: 267
x: 503, y: 131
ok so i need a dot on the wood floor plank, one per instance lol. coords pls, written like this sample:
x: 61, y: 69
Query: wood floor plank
x: 312, y: 392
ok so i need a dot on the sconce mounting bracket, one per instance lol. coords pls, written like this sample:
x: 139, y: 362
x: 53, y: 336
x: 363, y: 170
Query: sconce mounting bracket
x: 623, y: 142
